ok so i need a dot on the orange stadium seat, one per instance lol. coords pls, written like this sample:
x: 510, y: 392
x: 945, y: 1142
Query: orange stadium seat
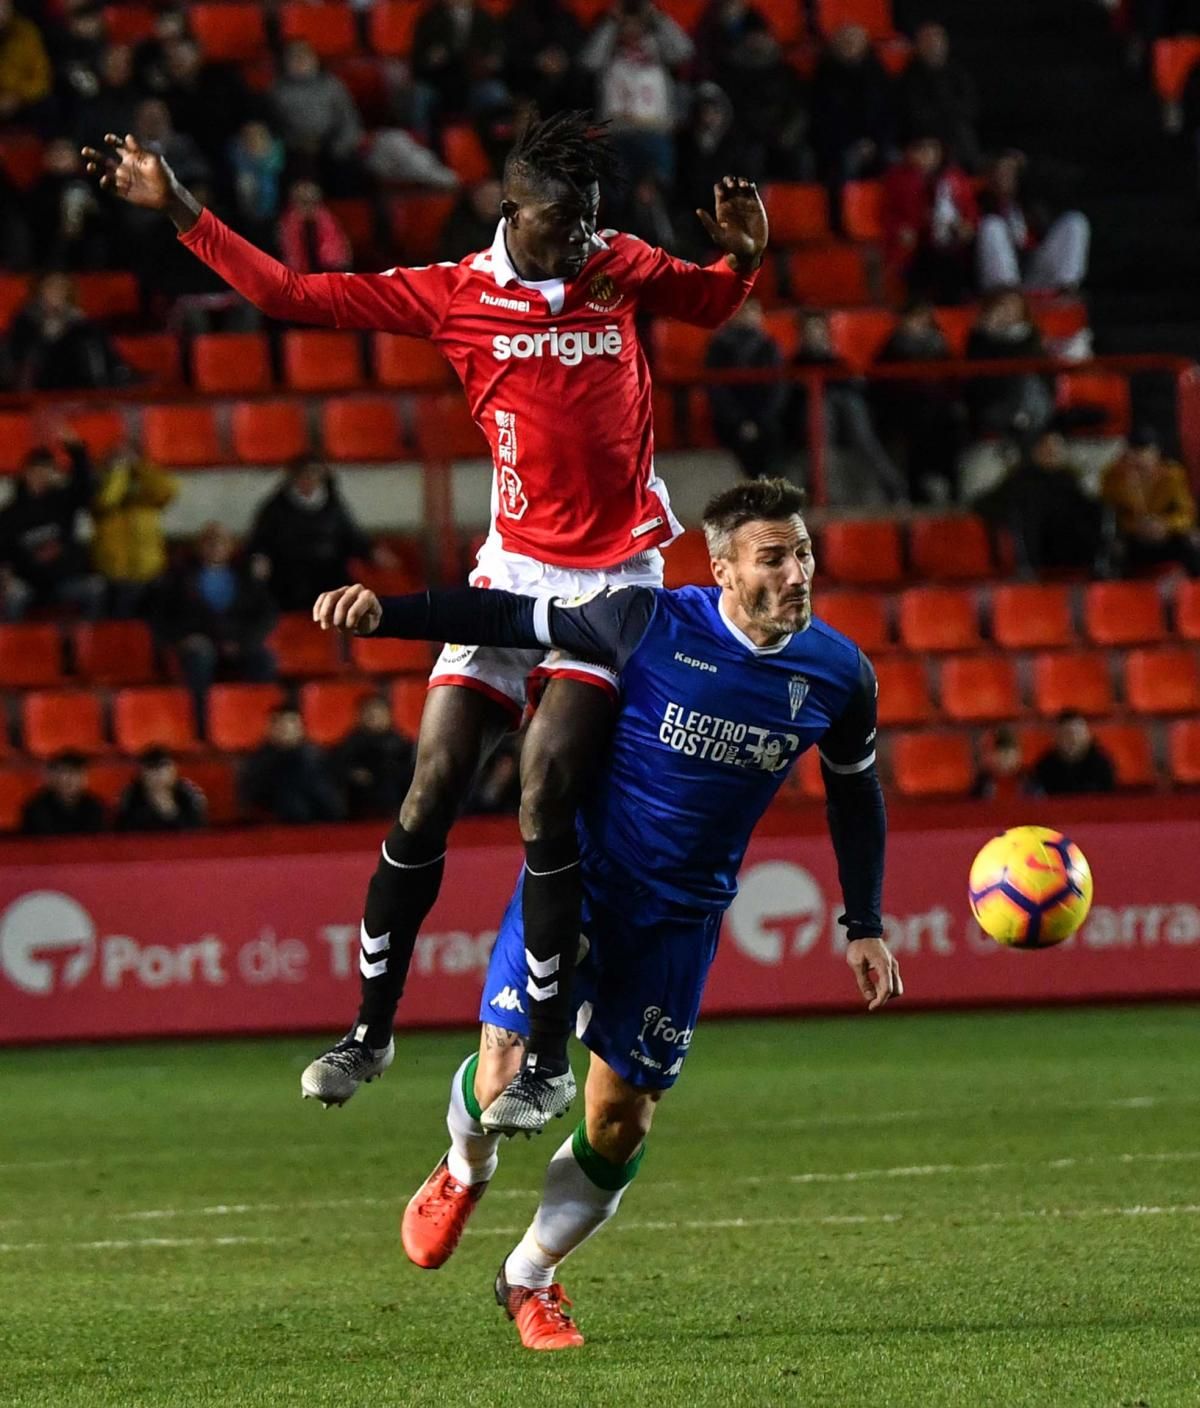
x: 954, y: 548
x: 875, y: 16
x: 678, y: 349
x: 355, y: 215
x: 31, y: 655
x: 1072, y: 680
x: 785, y: 18
x: 386, y: 656
x: 1035, y: 740
x: 798, y: 212
x: 446, y: 430
x: 183, y: 436
x: 154, y: 355
x: 1133, y: 757
x: 330, y: 708
x: 1183, y: 751
x: 14, y: 292
x: 232, y: 361
x: 417, y: 222
x: 860, y: 615
x: 956, y: 325
x: 1187, y: 610
x: 781, y: 324
x: 1163, y: 681
x: 686, y: 561
x: 390, y: 27
x: 302, y: 648
x: 322, y: 361
x: 217, y: 779
x: 330, y: 29
x: 100, y: 431
x: 1123, y: 613
x: 1029, y: 616
x: 463, y: 153
x: 16, y: 439
x: 862, y: 210
x: 228, y: 33
x: 666, y: 431
x: 409, y: 363
x: 55, y: 720
x: 21, y: 158
x: 860, y: 333
x: 153, y: 718
x: 829, y: 277
x: 862, y: 552
x: 361, y: 428
x: 938, y: 618
x: 903, y: 691
x: 128, y: 24
x: 980, y: 689
x: 1107, y: 392
x: 686, y: 13
x: 932, y: 764
x: 1173, y: 62
x: 1063, y: 318
x: 408, y: 702
x: 114, y: 652
x: 238, y: 714
x: 108, y: 295
x: 269, y: 432
x: 17, y: 785
x: 109, y: 778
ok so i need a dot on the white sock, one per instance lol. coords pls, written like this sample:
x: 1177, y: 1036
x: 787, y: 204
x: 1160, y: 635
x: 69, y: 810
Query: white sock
x: 581, y: 1192
x: 472, y: 1157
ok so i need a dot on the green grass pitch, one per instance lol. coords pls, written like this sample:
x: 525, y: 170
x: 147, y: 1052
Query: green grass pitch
x: 903, y: 1209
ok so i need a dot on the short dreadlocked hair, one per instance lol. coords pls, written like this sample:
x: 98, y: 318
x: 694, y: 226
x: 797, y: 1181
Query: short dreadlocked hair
x: 749, y: 502
x: 570, y: 146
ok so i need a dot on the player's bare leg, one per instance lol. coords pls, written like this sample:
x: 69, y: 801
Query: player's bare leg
x: 459, y: 727
x: 585, y: 1182
x: 566, y: 739
x: 437, y: 1213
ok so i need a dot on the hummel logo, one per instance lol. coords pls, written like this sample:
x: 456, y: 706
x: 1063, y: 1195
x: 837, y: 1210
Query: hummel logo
x: 695, y: 664
x: 507, y: 999
x: 513, y: 305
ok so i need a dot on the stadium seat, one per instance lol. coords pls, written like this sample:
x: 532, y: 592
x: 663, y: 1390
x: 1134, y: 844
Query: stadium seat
x: 1183, y: 752
x: 864, y: 551
x: 1061, y: 319
x: 409, y: 363
x: 1128, y: 745
x: 21, y: 158
x: 17, y: 785
x: 390, y: 27
x: 860, y: 615
x: 903, y: 691
x: 781, y: 324
x: 408, y: 702
x: 238, y: 714
x: 1028, y: 616
x: 128, y: 24
x: 1122, y: 613
x: 1187, y: 610
x: 1163, y: 681
x: 1035, y: 740
x: 1072, y: 680
x: 786, y: 21
x: 663, y: 402
x: 16, y: 439
x: 798, y: 212
x: 53, y: 721
x: 322, y: 361
x: 269, y: 432
x: 108, y: 295
x: 355, y: 215
x: 938, y: 618
x: 14, y: 292
x: 860, y: 333
x: 952, y: 549
x: 231, y: 362
x: 446, y: 430
x: 417, y: 221
x: 181, y: 436
x: 330, y: 29
x: 678, y: 349
x: 330, y: 708
x: 153, y: 355
x: 114, y: 652
x: 302, y: 648
x: 228, y: 33
x: 217, y: 779
x: 862, y: 210
x: 1173, y: 62
x: 686, y: 561
x: 100, y: 431
x: 382, y: 655
x: 153, y: 718
x: 30, y: 655
x: 829, y: 277
x: 956, y: 324
x: 875, y: 16
x: 463, y: 153
x: 1106, y: 392
x: 980, y: 689
x: 109, y: 778
x: 361, y: 428
x: 686, y: 13
x: 932, y: 765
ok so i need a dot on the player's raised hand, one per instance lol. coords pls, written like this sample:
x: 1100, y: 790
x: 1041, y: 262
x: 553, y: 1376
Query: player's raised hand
x: 740, y: 226
x: 875, y: 970
x: 354, y: 610
x: 136, y: 175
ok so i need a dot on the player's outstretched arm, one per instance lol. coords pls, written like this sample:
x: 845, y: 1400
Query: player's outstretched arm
x: 738, y: 224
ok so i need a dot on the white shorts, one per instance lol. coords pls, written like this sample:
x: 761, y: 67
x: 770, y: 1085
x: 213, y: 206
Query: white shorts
x: 510, y: 676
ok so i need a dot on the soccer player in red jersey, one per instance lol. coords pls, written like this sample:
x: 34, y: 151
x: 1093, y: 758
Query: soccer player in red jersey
x: 541, y: 331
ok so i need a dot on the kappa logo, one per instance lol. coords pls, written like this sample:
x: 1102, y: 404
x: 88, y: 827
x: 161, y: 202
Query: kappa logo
x: 508, y: 999
x: 798, y: 688
x: 698, y: 664
x: 47, y: 942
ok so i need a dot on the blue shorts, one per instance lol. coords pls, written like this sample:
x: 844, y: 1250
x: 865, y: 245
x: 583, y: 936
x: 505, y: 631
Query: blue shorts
x: 637, y: 987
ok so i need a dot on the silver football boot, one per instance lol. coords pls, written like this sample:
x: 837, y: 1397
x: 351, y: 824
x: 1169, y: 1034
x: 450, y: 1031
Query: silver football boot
x: 334, y: 1077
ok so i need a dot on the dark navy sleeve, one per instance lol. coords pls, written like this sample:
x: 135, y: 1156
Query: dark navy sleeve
x: 854, y: 807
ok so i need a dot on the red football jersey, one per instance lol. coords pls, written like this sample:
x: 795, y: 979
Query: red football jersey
x: 554, y: 373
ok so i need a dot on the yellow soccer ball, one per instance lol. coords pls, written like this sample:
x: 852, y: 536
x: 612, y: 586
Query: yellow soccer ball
x: 1030, y: 887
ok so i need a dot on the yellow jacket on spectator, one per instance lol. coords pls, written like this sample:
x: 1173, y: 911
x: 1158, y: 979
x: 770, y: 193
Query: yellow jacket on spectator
x: 129, y: 544
x: 1161, y: 492
x: 25, y: 72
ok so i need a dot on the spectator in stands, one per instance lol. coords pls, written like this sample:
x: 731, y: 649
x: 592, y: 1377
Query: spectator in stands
x: 304, y: 535
x: 1076, y: 762
x: 1023, y: 402
x: 938, y: 96
x: 158, y: 799
x: 930, y: 218
x: 634, y: 53
x: 150, y: 56
x: 215, y: 614
x: 153, y: 128
x: 497, y: 789
x: 767, y: 93
x: 53, y: 346
x: 1019, y: 245
x: 207, y: 101
x: 311, y: 240
x: 129, y: 546
x: 472, y: 222
x: 645, y: 214
x: 316, y: 117
x: 711, y: 145
x: 458, y: 53
x: 43, y: 561
x: 63, y: 806
x: 257, y: 158
x: 848, y: 415
x: 70, y: 227
x: 747, y: 419
x: 374, y: 762
x: 1002, y: 777
x: 287, y: 778
x: 853, y: 118
x: 112, y: 106
x: 542, y: 40
x: 76, y: 45
x: 26, y: 78
x: 1154, y: 507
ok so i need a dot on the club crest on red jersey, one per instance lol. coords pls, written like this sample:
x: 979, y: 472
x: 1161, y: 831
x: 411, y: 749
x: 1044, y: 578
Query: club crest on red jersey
x: 603, y: 295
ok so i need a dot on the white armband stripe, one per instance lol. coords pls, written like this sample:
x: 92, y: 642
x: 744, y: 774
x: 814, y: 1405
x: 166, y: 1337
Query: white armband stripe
x: 860, y: 766
x: 541, y: 620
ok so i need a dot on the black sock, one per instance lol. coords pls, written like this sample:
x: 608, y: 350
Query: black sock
x: 400, y: 895
x: 551, y: 898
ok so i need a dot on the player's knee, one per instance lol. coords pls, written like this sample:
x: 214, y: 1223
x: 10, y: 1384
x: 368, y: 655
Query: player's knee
x: 549, y: 796
x: 616, y: 1129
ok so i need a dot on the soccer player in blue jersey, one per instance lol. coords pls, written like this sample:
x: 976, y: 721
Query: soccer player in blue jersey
x: 722, y: 689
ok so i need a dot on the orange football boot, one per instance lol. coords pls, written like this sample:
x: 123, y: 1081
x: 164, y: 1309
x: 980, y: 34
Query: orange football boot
x: 433, y: 1222
x: 540, y: 1316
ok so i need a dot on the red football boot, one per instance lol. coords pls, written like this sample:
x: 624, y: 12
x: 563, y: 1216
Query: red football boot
x: 433, y: 1222
x: 540, y: 1317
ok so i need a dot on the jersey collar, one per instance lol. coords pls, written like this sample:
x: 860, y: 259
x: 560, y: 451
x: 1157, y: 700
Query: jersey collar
x: 742, y: 638
x: 496, y: 259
